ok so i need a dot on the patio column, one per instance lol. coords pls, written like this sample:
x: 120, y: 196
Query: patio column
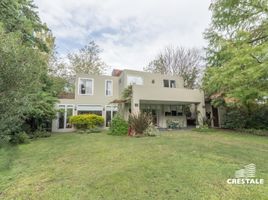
x: 135, y: 105
x: 200, y: 113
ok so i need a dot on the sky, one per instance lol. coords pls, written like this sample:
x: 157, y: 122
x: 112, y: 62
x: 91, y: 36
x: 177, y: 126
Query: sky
x: 130, y: 32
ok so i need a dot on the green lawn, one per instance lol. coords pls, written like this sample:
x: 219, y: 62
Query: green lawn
x: 176, y: 165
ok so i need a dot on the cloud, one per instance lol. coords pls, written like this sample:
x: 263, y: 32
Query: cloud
x: 130, y: 33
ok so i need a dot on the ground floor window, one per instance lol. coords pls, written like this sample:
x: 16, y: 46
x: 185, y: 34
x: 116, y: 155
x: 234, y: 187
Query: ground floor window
x: 97, y: 112
x: 173, y: 110
x: 65, y: 111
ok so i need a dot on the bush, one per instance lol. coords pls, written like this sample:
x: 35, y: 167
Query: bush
x: 256, y: 118
x: 151, y: 131
x: 118, y: 126
x: 87, y: 121
x: 40, y: 134
x: 20, y: 138
x: 235, y: 119
x: 138, y: 123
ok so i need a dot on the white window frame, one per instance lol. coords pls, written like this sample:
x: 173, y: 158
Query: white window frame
x: 65, y: 114
x: 169, y: 83
x: 110, y: 108
x: 106, y: 88
x: 79, y: 83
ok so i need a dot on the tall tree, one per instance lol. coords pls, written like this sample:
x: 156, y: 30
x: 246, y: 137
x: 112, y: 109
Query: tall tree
x: 87, y: 60
x: 237, y: 55
x: 178, y: 61
x: 26, y: 45
x: 21, y: 16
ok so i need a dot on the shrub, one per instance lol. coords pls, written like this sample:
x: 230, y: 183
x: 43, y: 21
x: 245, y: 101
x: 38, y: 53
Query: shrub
x: 87, y: 121
x: 20, y: 138
x: 235, y: 119
x: 151, y: 131
x: 118, y: 126
x: 139, y: 123
x: 40, y: 134
x: 256, y: 118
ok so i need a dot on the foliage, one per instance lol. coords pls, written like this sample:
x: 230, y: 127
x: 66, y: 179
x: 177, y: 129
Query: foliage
x: 20, y: 16
x: 118, y: 126
x: 127, y: 92
x: 86, y: 121
x: 139, y: 122
x: 237, y: 118
x: 237, y: 52
x: 41, y: 111
x: 178, y: 61
x: 20, y: 138
x: 87, y: 60
x: 39, y: 134
x: 27, y: 91
x: 151, y: 131
x: 20, y: 74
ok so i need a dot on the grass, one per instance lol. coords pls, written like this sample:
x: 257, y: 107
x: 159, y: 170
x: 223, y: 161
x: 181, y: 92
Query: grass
x: 176, y: 165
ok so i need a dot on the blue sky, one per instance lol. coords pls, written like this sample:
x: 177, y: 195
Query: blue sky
x: 131, y: 33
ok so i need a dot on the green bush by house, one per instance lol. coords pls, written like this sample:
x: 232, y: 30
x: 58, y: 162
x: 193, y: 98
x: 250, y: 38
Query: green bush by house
x: 118, y: 126
x: 86, y: 121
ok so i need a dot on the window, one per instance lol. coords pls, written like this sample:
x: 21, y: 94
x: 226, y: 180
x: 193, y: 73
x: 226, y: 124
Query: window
x: 65, y: 111
x: 173, y: 110
x: 134, y: 80
x: 110, y: 113
x: 166, y: 83
x: 81, y: 112
x: 85, y: 86
x: 108, y: 88
x: 169, y: 83
x: 172, y: 83
x: 89, y: 109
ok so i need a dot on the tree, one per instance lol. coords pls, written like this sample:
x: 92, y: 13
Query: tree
x: 237, y: 52
x: 20, y: 73
x: 87, y: 60
x: 178, y: 61
x: 26, y: 89
x: 21, y: 16
x: 237, y: 59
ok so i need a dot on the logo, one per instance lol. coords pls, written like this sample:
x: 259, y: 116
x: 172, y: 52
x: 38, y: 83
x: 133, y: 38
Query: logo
x: 246, y: 176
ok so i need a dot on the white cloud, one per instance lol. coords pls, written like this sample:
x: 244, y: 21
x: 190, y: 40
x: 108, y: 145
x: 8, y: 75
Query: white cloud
x: 130, y: 32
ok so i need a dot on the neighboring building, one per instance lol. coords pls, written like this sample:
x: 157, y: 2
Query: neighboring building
x: 163, y: 96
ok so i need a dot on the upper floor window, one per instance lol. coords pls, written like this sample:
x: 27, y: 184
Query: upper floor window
x: 134, y: 80
x: 85, y: 86
x: 172, y: 83
x: 169, y: 83
x: 108, y: 88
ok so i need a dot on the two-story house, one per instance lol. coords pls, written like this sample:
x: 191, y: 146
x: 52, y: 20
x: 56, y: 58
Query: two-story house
x: 163, y: 96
